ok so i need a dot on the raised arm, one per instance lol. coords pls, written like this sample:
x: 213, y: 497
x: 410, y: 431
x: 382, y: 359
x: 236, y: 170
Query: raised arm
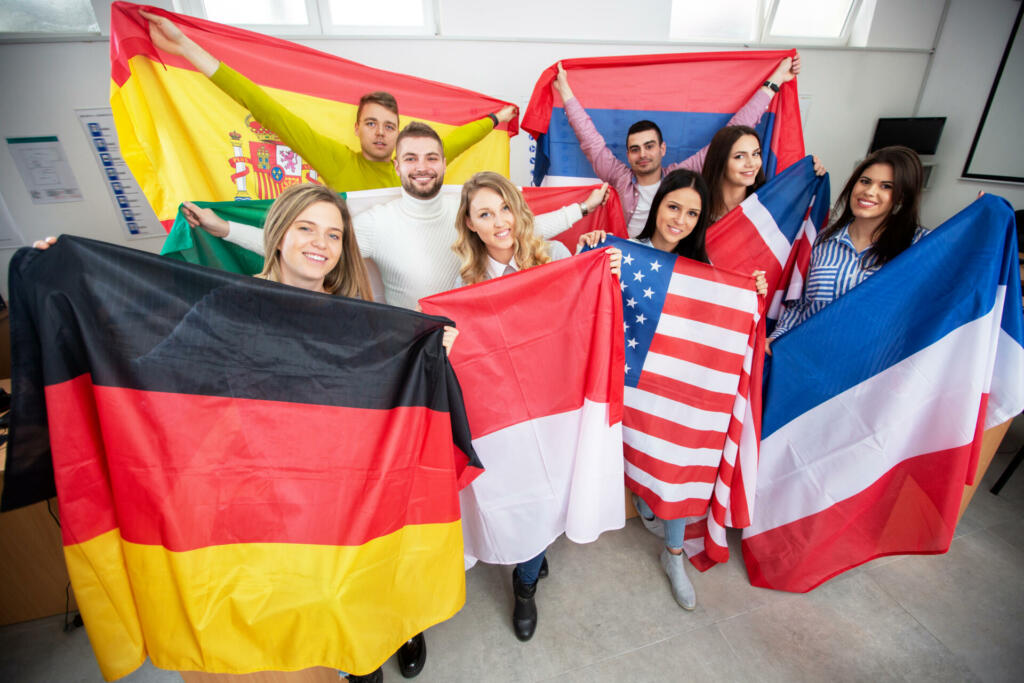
x: 465, y: 136
x: 547, y: 225
x: 751, y: 112
x: 607, y: 167
x: 326, y: 155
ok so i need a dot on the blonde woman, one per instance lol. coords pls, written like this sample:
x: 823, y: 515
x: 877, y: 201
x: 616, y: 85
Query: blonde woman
x: 496, y: 237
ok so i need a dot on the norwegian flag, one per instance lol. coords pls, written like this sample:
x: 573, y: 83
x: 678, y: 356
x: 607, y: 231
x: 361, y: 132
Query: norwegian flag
x: 772, y: 230
x: 688, y: 329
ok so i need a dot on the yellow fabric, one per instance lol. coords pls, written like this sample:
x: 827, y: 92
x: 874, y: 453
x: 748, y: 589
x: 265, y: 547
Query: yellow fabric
x: 265, y: 606
x: 183, y: 138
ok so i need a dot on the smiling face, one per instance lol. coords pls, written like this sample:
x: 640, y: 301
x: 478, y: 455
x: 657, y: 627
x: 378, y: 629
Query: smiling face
x: 744, y: 162
x: 676, y: 218
x: 645, y: 152
x: 311, y: 246
x: 420, y: 165
x: 493, y: 221
x: 871, y: 197
x: 377, y: 129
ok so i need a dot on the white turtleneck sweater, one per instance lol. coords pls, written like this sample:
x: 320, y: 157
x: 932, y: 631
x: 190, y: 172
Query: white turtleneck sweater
x: 410, y: 240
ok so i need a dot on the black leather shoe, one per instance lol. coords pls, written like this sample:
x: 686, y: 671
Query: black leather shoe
x: 412, y: 655
x: 376, y: 677
x: 524, y: 614
x: 543, y: 568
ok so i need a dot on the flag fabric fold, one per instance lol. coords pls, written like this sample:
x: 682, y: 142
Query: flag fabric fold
x: 875, y: 406
x: 772, y: 230
x: 196, y: 246
x: 250, y: 476
x: 540, y: 361
x: 689, y: 95
x: 688, y: 329
x: 182, y: 137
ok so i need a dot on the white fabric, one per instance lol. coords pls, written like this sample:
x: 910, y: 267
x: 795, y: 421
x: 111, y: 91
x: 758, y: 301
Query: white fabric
x: 530, y: 496
x: 644, y: 195
x: 410, y: 241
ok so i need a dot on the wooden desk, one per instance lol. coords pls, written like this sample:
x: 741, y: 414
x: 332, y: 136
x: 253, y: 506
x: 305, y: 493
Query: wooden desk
x: 32, y: 572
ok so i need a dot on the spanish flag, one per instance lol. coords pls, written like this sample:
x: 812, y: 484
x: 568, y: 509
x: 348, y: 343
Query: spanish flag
x: 185, y: 138
x: 250, y: 476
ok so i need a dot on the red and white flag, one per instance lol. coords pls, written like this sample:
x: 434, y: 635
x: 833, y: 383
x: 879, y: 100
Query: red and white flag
x: 540, y: 360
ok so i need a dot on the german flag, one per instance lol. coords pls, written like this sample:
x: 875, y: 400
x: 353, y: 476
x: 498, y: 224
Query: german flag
x: 184, y: 138
x: 250, y: 476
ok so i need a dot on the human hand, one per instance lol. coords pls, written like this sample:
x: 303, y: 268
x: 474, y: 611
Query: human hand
x: 206, y: 219
x: 615, y: 260
x: 596, y: 198
x: 165, y: 34
x: 561, y: 84
x: 760, y: 282
x: 786, y: 71
x: 768, y: 346
x: 448, y: 338
x: 591, y: 239
x: 44, y: 243
x: 819, y: 168
x: 506, y: 113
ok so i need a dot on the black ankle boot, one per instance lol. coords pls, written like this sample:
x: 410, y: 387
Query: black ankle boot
x: 412, y: 655
x: 524, y: 614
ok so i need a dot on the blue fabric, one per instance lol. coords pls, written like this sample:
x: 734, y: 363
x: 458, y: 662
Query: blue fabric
x: 528, y: 571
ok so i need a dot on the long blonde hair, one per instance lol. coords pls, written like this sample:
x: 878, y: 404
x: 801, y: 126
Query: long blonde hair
x: 348, y: 277
x: 530, y: 248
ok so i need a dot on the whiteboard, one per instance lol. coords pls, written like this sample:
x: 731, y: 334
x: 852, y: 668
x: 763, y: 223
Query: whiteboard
x: 997, y: 152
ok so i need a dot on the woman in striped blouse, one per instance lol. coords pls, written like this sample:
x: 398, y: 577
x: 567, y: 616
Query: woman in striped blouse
x: 878, y: 219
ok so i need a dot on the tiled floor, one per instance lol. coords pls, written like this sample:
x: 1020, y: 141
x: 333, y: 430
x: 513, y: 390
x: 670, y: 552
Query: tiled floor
x: 606, y: 615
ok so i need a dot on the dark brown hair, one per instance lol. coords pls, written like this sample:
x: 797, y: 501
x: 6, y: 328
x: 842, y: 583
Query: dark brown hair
x: 384, y: 99
x: 691, y: 246
x: 717, y: 161
x: 896, y: 231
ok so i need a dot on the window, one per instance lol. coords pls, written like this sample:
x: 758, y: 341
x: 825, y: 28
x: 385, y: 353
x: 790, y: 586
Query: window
x: 823, y: 22
x: 318, y: 17
x: 51, y: 17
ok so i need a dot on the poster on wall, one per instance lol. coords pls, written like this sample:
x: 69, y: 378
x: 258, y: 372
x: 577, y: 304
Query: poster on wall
x: 44, y: 168
x: 10, y: 237
x: 136, y: 215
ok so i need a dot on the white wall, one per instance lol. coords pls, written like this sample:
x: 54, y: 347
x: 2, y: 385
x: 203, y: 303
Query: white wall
x: 962, y: 72
x: 848, y: 89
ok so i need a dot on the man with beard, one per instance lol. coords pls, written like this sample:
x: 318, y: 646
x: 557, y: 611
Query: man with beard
x: 409, y: 239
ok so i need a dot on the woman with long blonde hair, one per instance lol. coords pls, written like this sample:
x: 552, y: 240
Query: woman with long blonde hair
x: 496, y: 238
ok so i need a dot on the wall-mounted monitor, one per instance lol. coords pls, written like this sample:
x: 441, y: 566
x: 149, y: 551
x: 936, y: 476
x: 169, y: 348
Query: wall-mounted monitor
x: 920, y: 133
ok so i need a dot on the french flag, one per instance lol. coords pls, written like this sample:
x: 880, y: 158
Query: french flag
x: 874, y: 407
x: 540, y: 359
x: 772, y: 230
x: 689, y: 95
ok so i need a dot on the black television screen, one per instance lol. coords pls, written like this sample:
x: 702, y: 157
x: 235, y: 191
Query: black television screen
x: 920, y: 134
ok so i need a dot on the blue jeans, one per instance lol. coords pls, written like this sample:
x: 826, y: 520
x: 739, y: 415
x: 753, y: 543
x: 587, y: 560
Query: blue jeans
x: 674, y: 528
x: 528, y: 571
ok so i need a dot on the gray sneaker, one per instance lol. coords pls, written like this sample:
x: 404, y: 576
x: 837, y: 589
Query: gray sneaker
x: 652, y: 524
x: 682, y: 589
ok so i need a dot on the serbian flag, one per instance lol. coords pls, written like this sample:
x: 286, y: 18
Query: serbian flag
x: 875, y: 407
x: 250, y: 476
x: 687, y: 330
x: 771, y: 230
x: 197, y: 246
x: 540, y: 361
x: 183, y: 137
x: 689, y: 95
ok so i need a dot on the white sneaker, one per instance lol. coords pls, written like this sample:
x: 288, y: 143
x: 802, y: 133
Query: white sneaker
x: 682, y: 589
x: 652, y: 524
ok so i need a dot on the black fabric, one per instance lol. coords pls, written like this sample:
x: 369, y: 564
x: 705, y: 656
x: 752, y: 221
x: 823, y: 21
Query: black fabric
x: 139, y: 321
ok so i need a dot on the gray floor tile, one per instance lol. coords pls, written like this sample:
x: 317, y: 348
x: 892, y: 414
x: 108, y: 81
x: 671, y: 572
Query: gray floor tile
x: 700, y: 655
x: 842, y: 631
x: 971, y: 599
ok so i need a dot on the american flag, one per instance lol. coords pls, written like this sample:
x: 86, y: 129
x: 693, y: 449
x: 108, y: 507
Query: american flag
x: 772, y: 230
x: 688, y: 328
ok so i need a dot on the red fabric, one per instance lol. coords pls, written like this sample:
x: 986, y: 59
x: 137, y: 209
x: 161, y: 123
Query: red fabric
x: 233, y: 481
x: 607, y: 217
x: 281, y: 64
